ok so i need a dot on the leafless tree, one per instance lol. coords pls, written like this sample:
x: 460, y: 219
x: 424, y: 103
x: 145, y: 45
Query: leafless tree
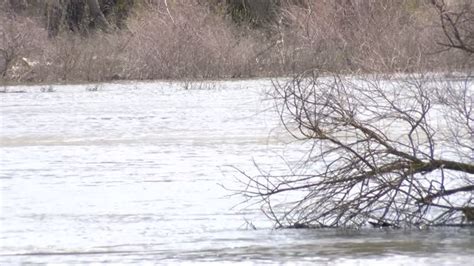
x: 457, y: 24
x: 397, y: 152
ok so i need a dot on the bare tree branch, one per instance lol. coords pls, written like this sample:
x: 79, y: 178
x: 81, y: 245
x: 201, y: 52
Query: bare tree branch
x: 458, y: 26
x: 382, y: 150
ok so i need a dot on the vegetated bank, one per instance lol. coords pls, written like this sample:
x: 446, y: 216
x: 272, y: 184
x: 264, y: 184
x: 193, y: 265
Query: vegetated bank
x: 71, y: 41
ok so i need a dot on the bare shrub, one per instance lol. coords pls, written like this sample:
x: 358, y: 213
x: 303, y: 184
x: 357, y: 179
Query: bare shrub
x: 197, y: 39
x: 369, y: 36
x: 175, y: 40
x: 398, y: 152
x: 363, y: 36
x: 187, y: 40
x: 308, y: 38
x: 384, y: 37
x: 98, y: 58
x: 20, y: 46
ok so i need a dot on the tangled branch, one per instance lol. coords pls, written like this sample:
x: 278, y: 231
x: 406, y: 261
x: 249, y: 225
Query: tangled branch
x: 394, y: 152
x: 457, y: 26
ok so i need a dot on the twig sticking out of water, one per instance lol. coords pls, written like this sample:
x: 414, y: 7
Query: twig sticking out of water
x: 47, y: 89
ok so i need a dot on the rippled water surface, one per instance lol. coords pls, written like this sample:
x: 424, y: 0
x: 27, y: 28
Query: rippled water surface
x: 133, y: 173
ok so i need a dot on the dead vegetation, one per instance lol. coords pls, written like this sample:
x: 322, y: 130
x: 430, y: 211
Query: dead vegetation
x: 202, y: 40
x: 386, y: 150
x: 395, y: 152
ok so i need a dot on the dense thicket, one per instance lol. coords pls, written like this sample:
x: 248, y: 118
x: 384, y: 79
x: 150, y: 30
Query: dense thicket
x: 96, y: 40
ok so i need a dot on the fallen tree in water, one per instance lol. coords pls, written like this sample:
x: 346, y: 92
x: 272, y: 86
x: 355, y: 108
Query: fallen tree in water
x: 386, y: 151
x: 389, y: 152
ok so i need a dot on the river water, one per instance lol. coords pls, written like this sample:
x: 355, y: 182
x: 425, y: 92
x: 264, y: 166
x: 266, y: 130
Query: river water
x: 133, y: 173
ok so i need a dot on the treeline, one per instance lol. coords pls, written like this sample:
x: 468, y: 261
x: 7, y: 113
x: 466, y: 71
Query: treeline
x: 99, y: 40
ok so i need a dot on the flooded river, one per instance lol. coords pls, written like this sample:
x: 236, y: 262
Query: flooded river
x: 133, y: 173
